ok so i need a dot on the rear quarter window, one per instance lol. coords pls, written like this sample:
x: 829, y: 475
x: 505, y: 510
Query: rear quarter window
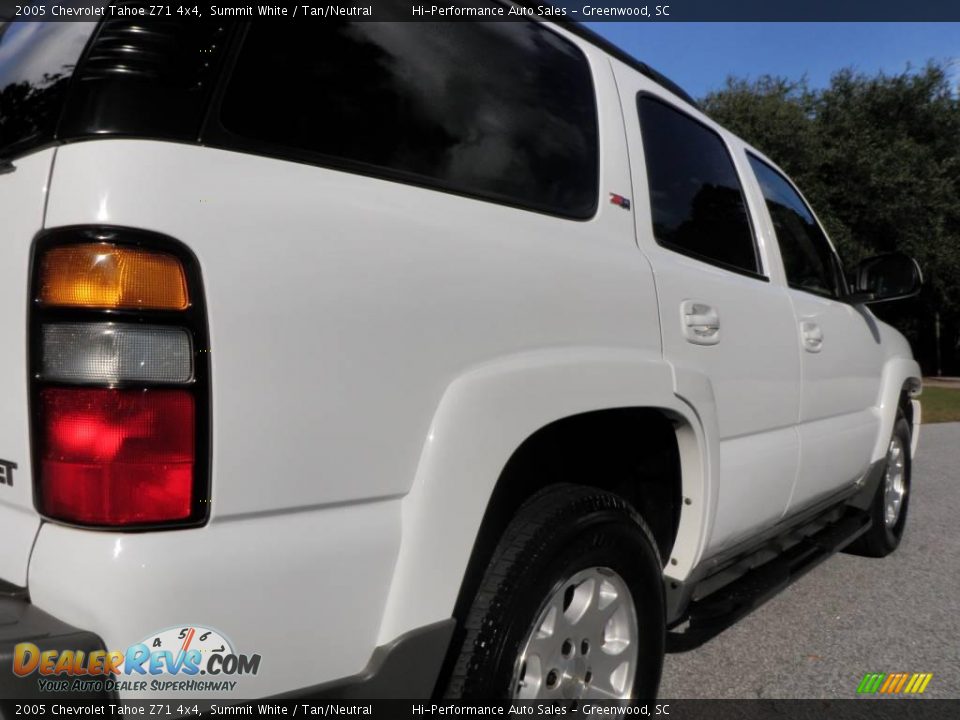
x: 503, y: 111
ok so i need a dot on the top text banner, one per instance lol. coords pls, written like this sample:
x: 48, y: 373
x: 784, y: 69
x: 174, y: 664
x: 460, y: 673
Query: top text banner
x: 494, y: 10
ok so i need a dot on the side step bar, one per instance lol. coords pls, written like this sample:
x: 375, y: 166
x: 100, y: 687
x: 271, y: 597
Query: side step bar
x: 714, y: 613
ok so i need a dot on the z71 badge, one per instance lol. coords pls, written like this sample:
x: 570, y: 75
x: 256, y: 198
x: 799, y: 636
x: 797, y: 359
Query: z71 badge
x: 6, y: 472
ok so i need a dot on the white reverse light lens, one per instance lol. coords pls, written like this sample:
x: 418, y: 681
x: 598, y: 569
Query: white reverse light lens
x: 116, y: 353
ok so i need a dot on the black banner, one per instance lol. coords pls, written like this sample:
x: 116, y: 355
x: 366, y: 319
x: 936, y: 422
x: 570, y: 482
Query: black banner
x: 854, y: 709
x: 454, y: 10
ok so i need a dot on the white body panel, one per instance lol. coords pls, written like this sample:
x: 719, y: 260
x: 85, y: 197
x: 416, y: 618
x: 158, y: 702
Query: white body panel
x: 304, y: 590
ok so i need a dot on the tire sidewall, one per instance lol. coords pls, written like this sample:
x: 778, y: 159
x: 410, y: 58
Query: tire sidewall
x: 894, y: 534
x: 604, y: 538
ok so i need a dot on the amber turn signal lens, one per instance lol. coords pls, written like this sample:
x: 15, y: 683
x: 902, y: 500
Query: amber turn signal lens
x: 99, y: 275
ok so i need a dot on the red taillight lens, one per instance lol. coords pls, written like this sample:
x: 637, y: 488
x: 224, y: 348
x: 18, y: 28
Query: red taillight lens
x: 117, y: 457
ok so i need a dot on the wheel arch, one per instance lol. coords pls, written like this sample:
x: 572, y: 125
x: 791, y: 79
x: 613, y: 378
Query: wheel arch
x: 901, y: 382
x: 492, y: 430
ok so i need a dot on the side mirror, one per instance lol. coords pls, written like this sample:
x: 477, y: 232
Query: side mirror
x: 885, y: 277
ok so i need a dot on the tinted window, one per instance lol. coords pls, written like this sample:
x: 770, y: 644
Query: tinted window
x: 37, y: 60
x: 695, y: 195
x: 808, y: 259
x: 502, y: 110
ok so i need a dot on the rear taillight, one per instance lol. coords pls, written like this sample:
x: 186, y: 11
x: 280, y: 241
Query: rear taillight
x: 120, y: 383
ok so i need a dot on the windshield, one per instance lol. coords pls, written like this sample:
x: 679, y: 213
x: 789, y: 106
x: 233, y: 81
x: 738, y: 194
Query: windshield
x: 37, y: 60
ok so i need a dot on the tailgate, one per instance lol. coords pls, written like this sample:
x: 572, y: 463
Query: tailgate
x: 23, y: 193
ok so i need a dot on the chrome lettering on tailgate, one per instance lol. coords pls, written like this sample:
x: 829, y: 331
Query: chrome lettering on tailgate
x: 6, y: 472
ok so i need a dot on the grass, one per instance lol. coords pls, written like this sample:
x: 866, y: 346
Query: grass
x: 940, y: 405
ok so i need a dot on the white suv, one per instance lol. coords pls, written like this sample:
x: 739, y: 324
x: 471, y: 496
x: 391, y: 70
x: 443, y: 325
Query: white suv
x: 401, y: 359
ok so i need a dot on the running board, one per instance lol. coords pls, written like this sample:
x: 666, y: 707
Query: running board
x: 709, y: 616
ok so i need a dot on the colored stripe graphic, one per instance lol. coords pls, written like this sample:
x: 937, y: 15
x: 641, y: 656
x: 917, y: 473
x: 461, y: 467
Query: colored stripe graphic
x: 871, y: 683
x: 900, y: 684
x: 889, y: 682
x: 894, y: 683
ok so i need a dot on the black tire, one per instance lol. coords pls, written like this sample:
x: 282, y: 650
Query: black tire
x: 881, y: 540
x: 557, y: 533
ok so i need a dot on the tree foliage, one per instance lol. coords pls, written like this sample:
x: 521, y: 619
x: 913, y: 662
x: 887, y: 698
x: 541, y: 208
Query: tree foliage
x: 878, y: 157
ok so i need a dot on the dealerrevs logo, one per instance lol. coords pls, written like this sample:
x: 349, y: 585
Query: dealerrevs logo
x: 171, y: 660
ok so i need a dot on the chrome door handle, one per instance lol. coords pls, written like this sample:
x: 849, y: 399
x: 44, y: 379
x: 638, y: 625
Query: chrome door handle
x: 812, y: 336
x: 700, y: 323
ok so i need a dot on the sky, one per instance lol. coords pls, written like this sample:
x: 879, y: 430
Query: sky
x: 700, y: 56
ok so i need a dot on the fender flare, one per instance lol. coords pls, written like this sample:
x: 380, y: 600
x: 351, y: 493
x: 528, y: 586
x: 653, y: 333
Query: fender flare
x: 899, y: 373
x: 482, y: 418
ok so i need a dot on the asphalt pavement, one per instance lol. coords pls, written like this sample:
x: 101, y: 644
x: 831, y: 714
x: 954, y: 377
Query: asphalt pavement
x: 852, y: 615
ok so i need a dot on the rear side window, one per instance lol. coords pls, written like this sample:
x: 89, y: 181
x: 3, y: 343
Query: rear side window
x: 500, y: 110
x: 808, y: 259
x: 695, y: 195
